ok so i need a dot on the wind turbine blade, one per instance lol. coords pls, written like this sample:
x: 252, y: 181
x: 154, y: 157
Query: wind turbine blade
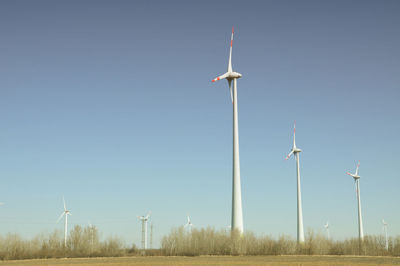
x: 230, y: 88
x: 288, y: 156
x: 59, y: 218
x: 358, y: 165
x: 65, y: 208
x: 294, y: 134
x: 230, y: 54
x: 220, y: 77
x: 148, y: 215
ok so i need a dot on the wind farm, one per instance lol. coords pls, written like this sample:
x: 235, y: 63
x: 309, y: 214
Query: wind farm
x: 111, y: 106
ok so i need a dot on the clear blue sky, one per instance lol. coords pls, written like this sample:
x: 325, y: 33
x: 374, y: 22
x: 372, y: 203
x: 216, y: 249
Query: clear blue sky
x: 111, y: 104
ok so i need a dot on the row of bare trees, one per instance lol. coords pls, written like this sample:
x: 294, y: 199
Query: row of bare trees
x: 211, y: 242
x: 82, y: 242
x: 85, y: 242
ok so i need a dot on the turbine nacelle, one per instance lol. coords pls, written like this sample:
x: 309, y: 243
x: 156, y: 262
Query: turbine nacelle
x: 296, y: 150
x: 234, y: 75
x: 354, y: 176
x: 229, y: 76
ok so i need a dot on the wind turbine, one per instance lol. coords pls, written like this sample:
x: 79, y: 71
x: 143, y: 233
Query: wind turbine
x: 386, y: 236
x: 65, y: 213
x: 144, y: 220
x: 357, y: 183
x: 189, y: 223
x: 92, y: 231
x: 237, y: 214
x: 296, y: 151
x: 327, y: 230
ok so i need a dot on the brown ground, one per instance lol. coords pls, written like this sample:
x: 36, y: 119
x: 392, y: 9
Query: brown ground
x: 215, y: 260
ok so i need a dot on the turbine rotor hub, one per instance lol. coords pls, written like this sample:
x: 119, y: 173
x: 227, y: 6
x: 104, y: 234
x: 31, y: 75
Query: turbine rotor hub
x: 297, y: 150
x: 234, y: 75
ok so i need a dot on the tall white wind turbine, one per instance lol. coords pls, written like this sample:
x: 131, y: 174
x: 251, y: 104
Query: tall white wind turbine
x: 237, y: 214
x: 386, y: 236
x: 357, y: 183
x: 296, y: 151
x: 327, y: 230
x: 65, y: 213
x: 144, y: 220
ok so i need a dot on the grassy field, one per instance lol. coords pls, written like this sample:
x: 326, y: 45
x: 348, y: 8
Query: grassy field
x: 215, y: 260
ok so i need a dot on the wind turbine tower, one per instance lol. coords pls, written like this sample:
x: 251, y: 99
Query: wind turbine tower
x: 327, y: 230
x: 65, y: 213
x: 296, y: 151
x: 144, y: 220
x: 357, y: 183
x: 386, y: 236
x: 237, y: 214
x: 151, y: 235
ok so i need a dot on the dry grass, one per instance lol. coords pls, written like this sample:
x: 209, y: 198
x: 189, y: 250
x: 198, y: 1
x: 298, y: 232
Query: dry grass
x: 215, y: 260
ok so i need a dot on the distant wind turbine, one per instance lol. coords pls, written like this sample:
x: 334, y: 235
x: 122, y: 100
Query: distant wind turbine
x: 296, y: 151
x: 237, y: 214
x: 189, y: 223
x: 144, y: 220
x: 386, y: 235
x: 357, y: 183
x: 65, y: 213
x: 327, y: 230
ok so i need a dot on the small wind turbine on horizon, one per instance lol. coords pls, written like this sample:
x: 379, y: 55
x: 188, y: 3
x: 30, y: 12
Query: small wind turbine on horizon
x: 189, y: 223
x: 357, y: 183
x: 237, y: 213
x: 386, y: 235
x: 144, y: 220
x: 65, y: 213
x: 296, y: 151
x: 327, y: 230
